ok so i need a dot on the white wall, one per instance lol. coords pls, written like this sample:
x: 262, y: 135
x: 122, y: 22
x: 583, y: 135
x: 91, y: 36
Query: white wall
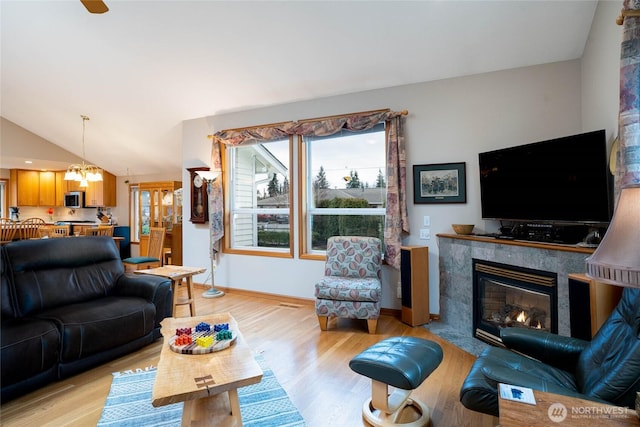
x: 449, y: 121
x: 601, y: 71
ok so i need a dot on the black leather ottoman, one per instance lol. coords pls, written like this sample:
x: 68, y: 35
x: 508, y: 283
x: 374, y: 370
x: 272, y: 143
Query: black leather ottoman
x: 403, y: 363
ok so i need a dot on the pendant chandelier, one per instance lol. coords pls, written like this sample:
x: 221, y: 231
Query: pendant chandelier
x: 83, y: 172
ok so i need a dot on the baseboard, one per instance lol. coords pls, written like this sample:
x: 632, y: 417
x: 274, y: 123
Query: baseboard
x: 295, y: 300
x: 274, y: 297
x: 390, y: 312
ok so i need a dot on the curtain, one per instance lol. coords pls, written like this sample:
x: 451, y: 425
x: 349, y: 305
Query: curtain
x: 396, y: 221
x: 216, y: 203
x: 629, y: 118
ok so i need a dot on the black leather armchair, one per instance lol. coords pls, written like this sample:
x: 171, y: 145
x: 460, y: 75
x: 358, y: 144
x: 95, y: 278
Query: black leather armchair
x: 606, y: 369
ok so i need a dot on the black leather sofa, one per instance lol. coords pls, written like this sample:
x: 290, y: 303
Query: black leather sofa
x: 67, y: 306
x: 605, y: 369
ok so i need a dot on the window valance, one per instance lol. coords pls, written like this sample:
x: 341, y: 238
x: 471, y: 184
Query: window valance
x: 310, y: 127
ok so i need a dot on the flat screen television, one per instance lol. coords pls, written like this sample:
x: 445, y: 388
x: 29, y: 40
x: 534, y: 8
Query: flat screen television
x: 559, y: 181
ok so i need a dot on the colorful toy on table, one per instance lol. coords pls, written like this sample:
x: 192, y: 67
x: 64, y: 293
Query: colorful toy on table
x: 204, y: 341
x: 220, y: 327
x: 183, y: 339
x: 224, y: 334
x: 203, y: 327
x: 183, y: 331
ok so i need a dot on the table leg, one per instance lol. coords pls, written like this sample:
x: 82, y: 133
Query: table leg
x: 235, y: 406
x: 213, y: 411
x: 192, y: 304
x: 187, y: 412
x: 174, y: 295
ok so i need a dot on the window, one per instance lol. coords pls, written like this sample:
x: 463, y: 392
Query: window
x: 337, y: 186
x: 260, y: 194
x: 3, y: 199
x: 134, y: 213
x: 345, y: 188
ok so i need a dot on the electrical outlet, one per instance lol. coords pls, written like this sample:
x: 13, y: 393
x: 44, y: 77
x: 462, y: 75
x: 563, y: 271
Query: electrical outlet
x: 425, y: 233
x: 399, y: 291
x: 426, y: 221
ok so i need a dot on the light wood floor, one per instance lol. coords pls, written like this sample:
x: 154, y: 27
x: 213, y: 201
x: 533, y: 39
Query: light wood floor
x: 312, y: 366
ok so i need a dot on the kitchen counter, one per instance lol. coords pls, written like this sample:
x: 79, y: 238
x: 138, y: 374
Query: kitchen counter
x: 77, y: 222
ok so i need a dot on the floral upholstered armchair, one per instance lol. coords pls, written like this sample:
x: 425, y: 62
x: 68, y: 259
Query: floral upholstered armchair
x: 351, y: 285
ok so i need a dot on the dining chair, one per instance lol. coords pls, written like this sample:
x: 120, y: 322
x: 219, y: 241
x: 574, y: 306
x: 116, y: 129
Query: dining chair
x: 59, y: 231
x: 44, y: 231
x: 153, y: 258
x: 29, y: 228
x: 99, y: 231
x: 8, y: 229
x: 105, y: 230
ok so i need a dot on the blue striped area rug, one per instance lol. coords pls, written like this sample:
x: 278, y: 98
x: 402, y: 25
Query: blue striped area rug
x: 265, y: 404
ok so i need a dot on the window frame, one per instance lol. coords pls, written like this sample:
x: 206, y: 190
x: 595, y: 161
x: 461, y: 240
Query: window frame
x: 227, y: 156
x: 134, y: 212
x: 305, y: 209
x: 299, y: 209
x: 4, y: 198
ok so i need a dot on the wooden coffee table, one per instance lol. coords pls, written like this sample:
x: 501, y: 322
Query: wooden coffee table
x: 177, y: 273
x: 567, y: 412
x: 201, y: 380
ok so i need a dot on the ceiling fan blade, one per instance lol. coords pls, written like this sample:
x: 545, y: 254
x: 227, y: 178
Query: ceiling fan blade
x: 95, y: 6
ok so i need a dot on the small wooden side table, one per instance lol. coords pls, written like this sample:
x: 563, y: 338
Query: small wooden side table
x: 201, y: 380
x: 177, y: 273
x: 565, y: 411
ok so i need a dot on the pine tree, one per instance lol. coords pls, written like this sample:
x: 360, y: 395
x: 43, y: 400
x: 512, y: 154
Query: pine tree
x: 380, y: 181
x: 354, y: 182
x: 274, y: 187
x: 321, y: 180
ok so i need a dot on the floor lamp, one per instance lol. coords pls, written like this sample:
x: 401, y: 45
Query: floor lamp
x: 209, y: 177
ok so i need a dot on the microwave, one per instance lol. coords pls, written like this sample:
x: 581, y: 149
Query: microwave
x: 74, y: 199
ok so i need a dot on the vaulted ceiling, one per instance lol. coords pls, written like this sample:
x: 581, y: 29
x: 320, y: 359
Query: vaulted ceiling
x: 143, y: 67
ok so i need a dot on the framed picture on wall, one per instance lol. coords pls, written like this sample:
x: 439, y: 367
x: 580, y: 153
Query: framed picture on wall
x: 440, y: 183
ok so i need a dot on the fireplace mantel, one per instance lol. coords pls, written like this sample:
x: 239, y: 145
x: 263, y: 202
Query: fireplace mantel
x: 524, y: 243
x: 456, y: 275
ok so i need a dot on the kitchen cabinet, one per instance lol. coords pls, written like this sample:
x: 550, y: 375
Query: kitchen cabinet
x: 101, y: 193
x: 61, y: 188
x: 47, y: 188
x: 33, y: 188
x: 160, y: 205
x: 47, y: 182
x: 74, y: 186
x: 27, y: 187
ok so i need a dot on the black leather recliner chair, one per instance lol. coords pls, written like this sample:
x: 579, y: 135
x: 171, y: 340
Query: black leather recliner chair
x: 606, y: 369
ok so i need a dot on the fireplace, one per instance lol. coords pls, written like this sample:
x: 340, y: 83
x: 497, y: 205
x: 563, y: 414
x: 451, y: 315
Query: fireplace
x: 506, y: 296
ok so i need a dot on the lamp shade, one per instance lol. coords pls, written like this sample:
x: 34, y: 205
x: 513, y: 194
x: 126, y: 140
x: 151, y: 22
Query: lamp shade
x: 208, y: 176
x: 617, y: 259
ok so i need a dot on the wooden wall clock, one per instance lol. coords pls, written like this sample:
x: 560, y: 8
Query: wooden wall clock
x: 199, y: 197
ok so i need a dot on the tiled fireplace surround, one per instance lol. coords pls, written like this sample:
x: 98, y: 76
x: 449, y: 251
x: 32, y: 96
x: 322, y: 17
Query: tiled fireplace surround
x: 456, y: 276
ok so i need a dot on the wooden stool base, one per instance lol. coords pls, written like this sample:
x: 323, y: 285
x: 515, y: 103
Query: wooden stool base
x: 413, y: 413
